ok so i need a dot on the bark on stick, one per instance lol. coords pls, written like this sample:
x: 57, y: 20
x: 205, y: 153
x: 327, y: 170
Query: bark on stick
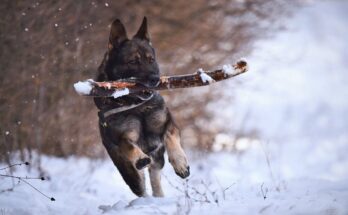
x: 124, y: 87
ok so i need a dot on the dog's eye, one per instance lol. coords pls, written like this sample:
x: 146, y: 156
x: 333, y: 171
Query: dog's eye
x: 133, y: 62
x: 151, y: 59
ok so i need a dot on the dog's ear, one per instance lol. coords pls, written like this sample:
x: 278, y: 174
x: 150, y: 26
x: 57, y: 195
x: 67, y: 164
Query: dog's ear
x: 143, y: 33
x: 118, y: 34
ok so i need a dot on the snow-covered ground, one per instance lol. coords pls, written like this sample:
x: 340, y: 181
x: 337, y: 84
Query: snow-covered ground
x: 219, y: 184
x: 295, y: 97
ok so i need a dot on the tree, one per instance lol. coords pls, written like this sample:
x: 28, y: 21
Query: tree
x: 49, y: 45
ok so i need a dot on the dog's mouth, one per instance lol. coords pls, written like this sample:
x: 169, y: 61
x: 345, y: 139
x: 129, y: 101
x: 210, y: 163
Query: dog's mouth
x: 152, y: 82
x: 147, y: 82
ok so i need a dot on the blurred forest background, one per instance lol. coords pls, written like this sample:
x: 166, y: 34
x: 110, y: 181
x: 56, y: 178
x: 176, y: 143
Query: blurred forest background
x: 46, y: 46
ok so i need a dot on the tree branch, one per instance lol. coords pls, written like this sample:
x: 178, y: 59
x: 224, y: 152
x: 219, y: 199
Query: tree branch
x: 24, y: 180
x: 200, y: 78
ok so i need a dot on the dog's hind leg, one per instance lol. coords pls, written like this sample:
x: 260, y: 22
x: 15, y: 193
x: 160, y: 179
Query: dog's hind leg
x: 120, y: 140
x: 155, y: 172
x: 134, y: 178
x: 155, y: 179
x: 176, y: 154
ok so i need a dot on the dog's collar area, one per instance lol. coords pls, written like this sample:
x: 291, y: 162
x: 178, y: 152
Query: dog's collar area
x: 103, y: 114
x: 145, y: 96
x: 122, y: 109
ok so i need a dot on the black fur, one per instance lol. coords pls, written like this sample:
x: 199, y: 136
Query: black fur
x: 143, y: 126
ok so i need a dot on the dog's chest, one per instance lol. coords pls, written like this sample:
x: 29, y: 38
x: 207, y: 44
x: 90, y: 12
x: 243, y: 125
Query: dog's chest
x: 154, y: 115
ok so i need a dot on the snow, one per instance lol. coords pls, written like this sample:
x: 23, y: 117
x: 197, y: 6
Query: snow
x: 295, y: 100
x: 119, y: 93
x: 219, y: 183
x: 83, y: 87
x: 204, y: 76
x: 228, y: 69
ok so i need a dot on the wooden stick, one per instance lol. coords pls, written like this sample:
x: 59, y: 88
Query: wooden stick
x: 200, y: 78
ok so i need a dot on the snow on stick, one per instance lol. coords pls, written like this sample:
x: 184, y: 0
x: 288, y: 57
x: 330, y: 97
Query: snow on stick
x: 200, y: 78
x: 119, y: 93
x: 84, y: 87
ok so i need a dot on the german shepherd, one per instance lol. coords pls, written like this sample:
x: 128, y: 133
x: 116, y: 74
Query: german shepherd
x: 137, y: 129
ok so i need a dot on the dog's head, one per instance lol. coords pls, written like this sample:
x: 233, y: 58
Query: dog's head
x: 131, y: 58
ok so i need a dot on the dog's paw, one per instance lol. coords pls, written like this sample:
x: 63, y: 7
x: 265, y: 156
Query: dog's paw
x: 184, y: 173
x: 142, y: 163
x: 179, y: 162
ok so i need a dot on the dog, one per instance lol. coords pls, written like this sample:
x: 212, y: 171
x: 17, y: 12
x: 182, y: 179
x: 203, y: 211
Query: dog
x: 137, y: 129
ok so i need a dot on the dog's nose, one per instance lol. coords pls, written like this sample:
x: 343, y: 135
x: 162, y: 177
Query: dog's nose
x: 154, y: 81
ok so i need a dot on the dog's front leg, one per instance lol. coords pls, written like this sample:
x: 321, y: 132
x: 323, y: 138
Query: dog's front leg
x: 124, y: 132
x: 132, y: 152
x: 176, y: 154
x: 129, y: 159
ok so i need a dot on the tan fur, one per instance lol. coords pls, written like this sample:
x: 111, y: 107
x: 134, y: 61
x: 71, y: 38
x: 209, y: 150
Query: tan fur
x: 131, y: 136
x: 176, y: 154
x: 132, y: 152
x: 155, y: 179
x: 142, y: 176
x: 156, y: 120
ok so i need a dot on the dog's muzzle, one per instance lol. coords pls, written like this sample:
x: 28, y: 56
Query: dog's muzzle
x: 153, y: 81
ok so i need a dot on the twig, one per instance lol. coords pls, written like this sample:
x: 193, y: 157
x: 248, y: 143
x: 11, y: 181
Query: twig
x: 172, y: 185
x: 50, y: 198
x: 17, y: 164
x: 20, y: 177
x: 11, y: 188
x: 264, y: 193
x: 268, y: 162
x: 24, y: 179
x: 275, y: 182
x: 225, y: 189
